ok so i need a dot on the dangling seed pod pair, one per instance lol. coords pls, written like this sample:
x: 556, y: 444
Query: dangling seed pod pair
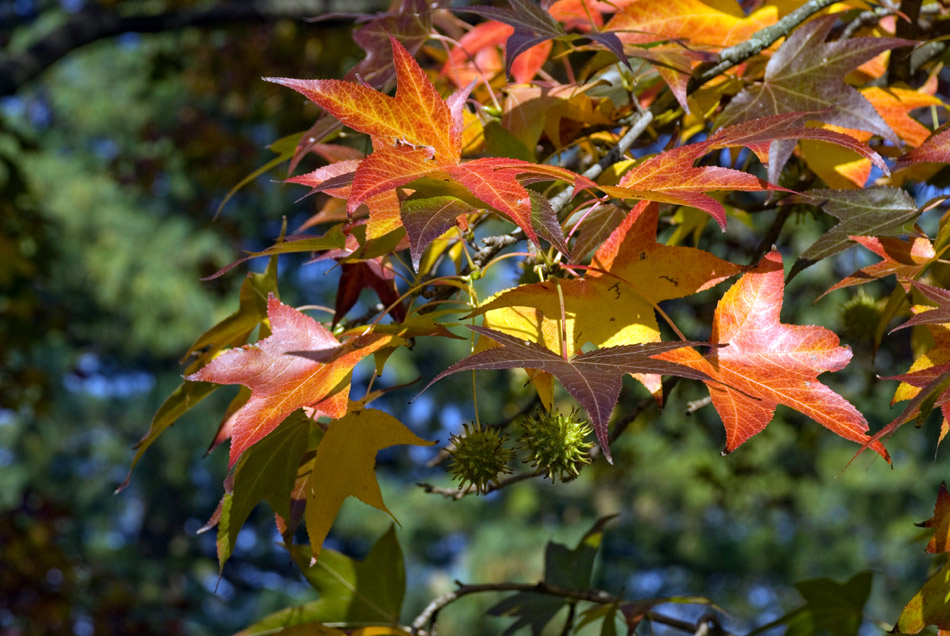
x: 553, y: 443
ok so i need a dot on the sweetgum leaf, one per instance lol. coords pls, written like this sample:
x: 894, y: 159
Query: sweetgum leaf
x: 266, y: 472
x: 877, y: 211
x: 280, y: 382
x: 931, y: 316
x: 417, y: 115
x: 346, y: 458
x: 427, y: 219
x: 936, y: 149
x: 563, y: 567
x: 929, y: 606
x: 687, y: 21
x: 768, y: 363
x: 806, y: 74
x: 592, y: 378
x: 940, y: 522
x: 351, y: 592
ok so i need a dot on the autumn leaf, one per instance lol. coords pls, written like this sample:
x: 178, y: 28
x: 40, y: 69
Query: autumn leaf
x: 878, y: 211
x: 904, y: 258
x: 939, y: 522
x: 346, y: 459
x: 930, y: 315
x: 417, y: 134
x: 632, y: 274
x: 281, y: 381
x: 936, y: 149
x: 476, y: 56
x: 691, y: 22
x: 592, y: 378
x: 671, y: 177
x: 417, y: 115
x: 928, y: 607
x: 806, y: 74
x: 534, y: 26
x: 767, y: 363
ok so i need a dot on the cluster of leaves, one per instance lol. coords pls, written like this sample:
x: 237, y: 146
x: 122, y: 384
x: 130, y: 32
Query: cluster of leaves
x: 742, y: 117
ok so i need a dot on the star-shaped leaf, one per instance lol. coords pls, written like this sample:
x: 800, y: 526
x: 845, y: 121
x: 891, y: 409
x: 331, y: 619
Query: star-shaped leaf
x: 689, y: 21
x: 767, y: 363
x: 280, y: 380
x: 417, y: 134
x: 592, y: 378
x: 807, y: 74
x: 671, y: 177
x: 928, y: 607
x: 935, y: 149
x: 563, y: 567
x: 417, y: 115
x: 904, y: 258
x: 939, y: 522
x: 878, y: 211
x: 346, y: 459
x: 633, y: 274
x: 351, y: 592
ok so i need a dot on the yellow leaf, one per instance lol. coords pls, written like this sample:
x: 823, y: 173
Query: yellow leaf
x: 344, y: 467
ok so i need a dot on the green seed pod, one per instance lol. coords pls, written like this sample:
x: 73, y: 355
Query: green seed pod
x: 479, y: 456
x: 860, y: 317
x: 554, y: 444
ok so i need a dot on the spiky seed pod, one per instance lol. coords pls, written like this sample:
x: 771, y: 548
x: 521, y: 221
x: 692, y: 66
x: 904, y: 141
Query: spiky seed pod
x: 555, y: 443
x: 479, y: 456
x: 860, y: 317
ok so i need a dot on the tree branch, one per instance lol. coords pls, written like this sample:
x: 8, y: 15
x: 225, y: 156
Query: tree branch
x: 431, y: 611
x: 760, y: 40
x: 95, y: 23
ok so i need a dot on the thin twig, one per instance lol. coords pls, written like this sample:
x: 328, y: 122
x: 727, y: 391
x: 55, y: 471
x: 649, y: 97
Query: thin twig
x: 760, y: 40
x: 771, y: 236
x: 431, y: 611
x: 459, y: 493
x: 695, y: 405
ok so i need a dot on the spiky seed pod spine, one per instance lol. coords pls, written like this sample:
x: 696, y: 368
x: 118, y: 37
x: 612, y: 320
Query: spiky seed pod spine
x: 479, y: 456
x: 556, y: 444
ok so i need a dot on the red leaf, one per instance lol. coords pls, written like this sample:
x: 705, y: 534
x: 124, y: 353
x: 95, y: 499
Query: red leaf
x: 280, y: 381
x: 767, y: 363
x: 940, y: 522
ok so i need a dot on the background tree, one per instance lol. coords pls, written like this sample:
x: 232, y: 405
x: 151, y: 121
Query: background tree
x: 738, y: 530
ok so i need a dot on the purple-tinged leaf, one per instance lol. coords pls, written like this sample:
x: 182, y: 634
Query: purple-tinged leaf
x: 593, y: 378
x: 937, y: 316
x: 879, y: 211
x: 807, y: 74
x: 427, y: 219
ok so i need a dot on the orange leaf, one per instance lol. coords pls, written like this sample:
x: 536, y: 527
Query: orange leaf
x: 417, y: 115
x: 940, y: 523
x: 691, y: 21
x: 904, y: 258
x: 299, y: 364
x: 767, y: 363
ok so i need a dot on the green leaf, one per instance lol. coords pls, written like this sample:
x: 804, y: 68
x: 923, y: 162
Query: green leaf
x: 351, y: 592
x: 266, y: 471
x: 830, y: 607
x: 563, y: 567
